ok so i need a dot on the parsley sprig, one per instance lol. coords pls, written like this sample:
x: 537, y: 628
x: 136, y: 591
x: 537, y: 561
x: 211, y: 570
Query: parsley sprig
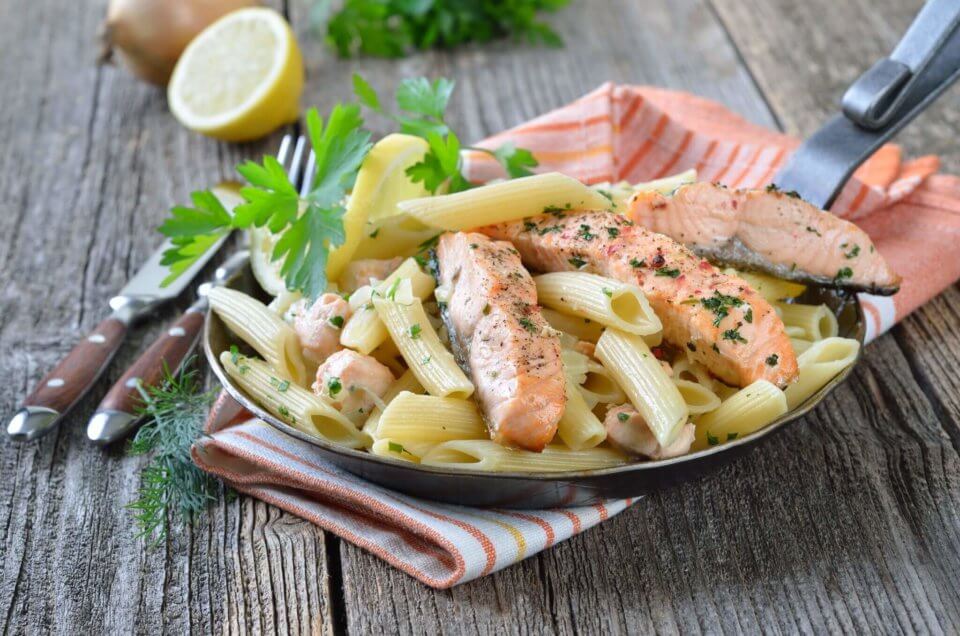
x: 393, y: 28
x: 421, y: 106
x: 308, y: 226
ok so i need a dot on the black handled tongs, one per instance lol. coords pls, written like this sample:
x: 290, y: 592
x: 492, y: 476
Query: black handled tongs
x: 881, y: 102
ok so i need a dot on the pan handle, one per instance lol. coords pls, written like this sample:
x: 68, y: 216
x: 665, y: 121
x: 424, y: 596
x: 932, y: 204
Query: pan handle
x: 881, y: 102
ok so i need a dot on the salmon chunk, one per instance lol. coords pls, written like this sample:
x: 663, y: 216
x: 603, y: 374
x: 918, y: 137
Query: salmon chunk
x: 318, y: 325
x: 767, y: 230
x: 352, y: 382
x: 501, y: 339
x: 365, y: 270
x: 629, y: 432
x: 716, y: 318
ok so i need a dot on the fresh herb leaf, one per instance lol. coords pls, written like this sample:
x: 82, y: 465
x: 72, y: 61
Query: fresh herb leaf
x: 842, y: 273
x: 527, y: 324
x: 515, y: 161
x: 577, y: 262
x: 171, y: 482
x: 638, y: 264
x: 334, y: 386
x: 395, y: 28
x: 396, y: 448
x: 336, y: 321
x: 623, y: 417
x: 234, y: 354
x: 734, y: 335
x: 415, y: 331
x: 853, y: 253
x: 668, y: 272
x: 712, y: 440
x: 748, y: 316
x: 607, y: 292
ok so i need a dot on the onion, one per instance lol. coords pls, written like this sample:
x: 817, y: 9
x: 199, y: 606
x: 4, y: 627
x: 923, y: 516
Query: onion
x: 149, y: 35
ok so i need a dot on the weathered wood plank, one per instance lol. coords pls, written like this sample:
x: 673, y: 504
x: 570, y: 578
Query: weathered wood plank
x: 91, y: 161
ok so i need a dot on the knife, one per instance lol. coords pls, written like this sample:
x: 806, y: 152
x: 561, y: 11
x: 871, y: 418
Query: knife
x: 70, y: 380
x: 119, y: 412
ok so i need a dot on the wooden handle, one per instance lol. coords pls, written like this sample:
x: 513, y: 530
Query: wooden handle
x: 170, y: 349
x: 76, y: 373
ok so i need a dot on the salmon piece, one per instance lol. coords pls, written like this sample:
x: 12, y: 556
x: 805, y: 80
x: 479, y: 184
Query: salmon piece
x: 318, y: 325
x: 359, y: 272
x: 501, y: 339
x: 718, y: 319
x: 352, y: 382
x: 628, y: 431
x: 767, y: 230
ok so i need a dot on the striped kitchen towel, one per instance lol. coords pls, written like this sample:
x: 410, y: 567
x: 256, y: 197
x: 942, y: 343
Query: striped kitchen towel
x: 614, y: 133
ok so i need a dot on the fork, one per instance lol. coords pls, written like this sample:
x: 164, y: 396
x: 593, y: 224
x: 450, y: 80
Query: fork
x: 118, y: 413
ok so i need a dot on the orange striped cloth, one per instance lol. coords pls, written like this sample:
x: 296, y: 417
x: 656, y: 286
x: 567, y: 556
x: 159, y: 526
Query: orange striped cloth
x: 611, y: 134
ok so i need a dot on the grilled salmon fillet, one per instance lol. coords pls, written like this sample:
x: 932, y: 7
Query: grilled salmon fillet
x: 719, y: 319
x: 767, y: 230
x: 501, y: 339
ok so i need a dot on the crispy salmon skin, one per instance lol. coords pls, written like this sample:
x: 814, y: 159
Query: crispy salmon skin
x: 717, y: 318
x: 767, y: 230
x: 501, y: 338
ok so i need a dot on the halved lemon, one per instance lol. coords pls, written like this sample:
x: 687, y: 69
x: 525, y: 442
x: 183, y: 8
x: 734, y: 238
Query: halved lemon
x: 240, y: 78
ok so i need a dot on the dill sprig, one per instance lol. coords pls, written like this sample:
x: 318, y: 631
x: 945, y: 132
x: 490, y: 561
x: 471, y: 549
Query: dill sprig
x: 171, y: 481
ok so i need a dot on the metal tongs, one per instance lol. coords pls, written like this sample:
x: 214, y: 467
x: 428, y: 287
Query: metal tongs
x: 881, y: 102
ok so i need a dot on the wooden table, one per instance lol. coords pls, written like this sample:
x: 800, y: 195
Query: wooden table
x: 849, y: 521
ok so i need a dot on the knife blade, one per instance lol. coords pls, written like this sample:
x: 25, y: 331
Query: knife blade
x: 60, y: 389
x: 119, y: 412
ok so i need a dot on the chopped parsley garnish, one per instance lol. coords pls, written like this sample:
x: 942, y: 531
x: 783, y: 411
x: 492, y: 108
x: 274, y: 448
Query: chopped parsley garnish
x: 853, y: 253
x: 715, y: 347
x: 712, y: 440
x: 607, y: 292
x: 374, y: 234
x: 396, y: 448
x: 415, y: 330
x: 486, y: 309
x: 734, y: 335
x: 638, y: 264
x: 577, y: 262
x: 550, y: 228
x: 732, y: 436
x: 666, y: 271
x: 749, y: 315
x: 772, y: 360
x: 529, y: 225
x: 243, y: 369
x: 814, y: 230
x: 392, y: 291
x: 691, y: 346
x: 426, y: 360
x: 282, y: 385
x: 790, y: 193
x: 336, y: 321
x: 614, y: 232
x: 334, y: 386
x: 623, y: 417
x: 719, y: 304
x: 527, y: 324
x: 283, y: 411
x: 843, y: 272
x: 585, y: 233
x: 234, y: 355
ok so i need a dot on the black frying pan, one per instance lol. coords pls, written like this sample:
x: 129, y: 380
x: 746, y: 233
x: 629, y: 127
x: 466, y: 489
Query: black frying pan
x: 877, y: 106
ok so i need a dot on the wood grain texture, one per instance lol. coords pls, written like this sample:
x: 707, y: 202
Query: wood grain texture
x: 848, y: 521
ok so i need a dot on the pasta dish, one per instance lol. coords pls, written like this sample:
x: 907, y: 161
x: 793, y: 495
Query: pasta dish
x: 541, y: 324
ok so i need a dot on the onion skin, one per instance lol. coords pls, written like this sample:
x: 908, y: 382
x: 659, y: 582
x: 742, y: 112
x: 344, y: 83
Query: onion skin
x: 148, y: 36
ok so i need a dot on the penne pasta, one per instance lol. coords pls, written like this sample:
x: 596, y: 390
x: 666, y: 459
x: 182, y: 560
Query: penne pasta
x: 604, y: 300
x: 263, y: 330
x: 575, y: 365
x: 809, y: 322
x: 427, y: 418
x: 580, y: 328
x: 291, y: 403
x: 699, y: 398
x: 621, y: 192
x: 686, y: 369
x: 771, y: 288
x: 399, y: 235
x: 818, y: 365
x: 504, y: 201
x: 799, y: 346
x: 405, y: 382
x: 579, y: 428
x: 600, y: 387
x: 405, y: 451
x: 486, y: 455
x: 651, y: 391
x: 420, y: 346
x: 365, y: 331
x: 748, y: 410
